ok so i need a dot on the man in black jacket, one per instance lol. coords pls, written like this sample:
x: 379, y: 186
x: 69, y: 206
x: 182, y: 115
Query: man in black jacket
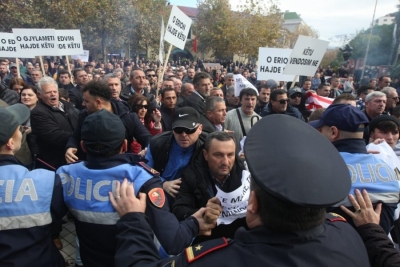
x: 202, y: 86
x: 97, y: 95
x: 75, y: 94
x: 215, y: 113
x: 137, y: 80
x: 214, y: 171
x: 53, y: 121
x: 279, y: 104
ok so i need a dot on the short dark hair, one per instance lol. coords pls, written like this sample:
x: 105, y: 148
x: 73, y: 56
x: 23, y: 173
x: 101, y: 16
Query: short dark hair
x: 280, y: 215
x: 344, y: 96
x: 200, y: 76
x: 62, y: 93
x: 307, y: 80
x: 99, y: 89
x: 276, y: 92
x: 364, y: 89
x: 262, y: 86
x: 167, y: 90
x: 383, y: 76
x: 148, y: 70
x: 74, y: 73
x: 220, y: 136
x: 247, y: 92
x: 321, y: 85
x: 62, y: 72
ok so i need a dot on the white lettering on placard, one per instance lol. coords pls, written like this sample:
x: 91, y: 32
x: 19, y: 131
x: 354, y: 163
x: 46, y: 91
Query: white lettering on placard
x: 27, y: 188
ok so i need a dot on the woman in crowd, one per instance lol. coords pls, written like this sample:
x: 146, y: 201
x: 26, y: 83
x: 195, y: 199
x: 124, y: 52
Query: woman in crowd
x: 152, y: 121
x: 17, y: 84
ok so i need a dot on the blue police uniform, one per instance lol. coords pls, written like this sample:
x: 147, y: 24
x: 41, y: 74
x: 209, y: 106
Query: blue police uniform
x: 30, y: 201
x: 86, y: 187
x: 370, y: 173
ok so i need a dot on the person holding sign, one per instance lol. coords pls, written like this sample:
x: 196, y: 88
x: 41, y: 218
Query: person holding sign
x: 287, y: 222
x: 216, y: 177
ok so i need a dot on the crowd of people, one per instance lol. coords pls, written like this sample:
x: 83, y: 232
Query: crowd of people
x: 129, y: 149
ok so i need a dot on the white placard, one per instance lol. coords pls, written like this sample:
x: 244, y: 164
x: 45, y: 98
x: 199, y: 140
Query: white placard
x: 84, y: 57
x: 242, y: 83
x: 234, y: 204
x: 306, y: 56
x: 8, y: 47
x: 69, y: 42
x: 36, y: 42
x: 177, y: 28
x: 272, y: 62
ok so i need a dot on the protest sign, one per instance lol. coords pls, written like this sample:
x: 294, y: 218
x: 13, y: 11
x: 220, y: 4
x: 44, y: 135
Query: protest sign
x: 69, y: 42
x: 234, y: 204
x: 84, y: 56
x: 36, y: 42
x: 242, y: 83
x: 8, y: 47
x: 177, y: 28
x: 272, y: 62
x: 306, y: 56
x: 212, y: 65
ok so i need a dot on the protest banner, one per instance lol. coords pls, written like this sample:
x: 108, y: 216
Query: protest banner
x: 35, y: 42
x: 212, y: 65
x: 242, y: 83
x: 177, y: 28
x: 8, y: 46
x: 234, y: 204
x: 69, y: 42
x: 84, y: 56
x: 306, y: 56
x: 272, y: 62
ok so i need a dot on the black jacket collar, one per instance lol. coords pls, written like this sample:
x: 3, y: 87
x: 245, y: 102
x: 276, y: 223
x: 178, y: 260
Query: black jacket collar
x: 99, y: 163
x: 9, y: 160
x: 351, y: 145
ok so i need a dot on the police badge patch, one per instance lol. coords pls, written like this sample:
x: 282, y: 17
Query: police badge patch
x: 157, y: 197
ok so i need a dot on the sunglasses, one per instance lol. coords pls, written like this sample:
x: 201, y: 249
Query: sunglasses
x: 180, y: 130
x: 283, y: 101
x: 151, y: 75
x: 295, y: 96
x: 142, y: 106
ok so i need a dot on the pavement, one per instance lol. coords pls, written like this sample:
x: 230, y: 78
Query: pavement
x: 67, y: 237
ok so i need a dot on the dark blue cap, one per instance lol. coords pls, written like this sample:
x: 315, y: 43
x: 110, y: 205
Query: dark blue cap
x: 345, y: 117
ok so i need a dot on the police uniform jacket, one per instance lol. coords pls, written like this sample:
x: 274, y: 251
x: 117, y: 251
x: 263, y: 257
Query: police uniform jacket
x: 86, y: 187
x: 335, y: 243
x: 198, y: 186
x: 371, y: 174
x: 52, y: 128
x: 133, y: 126
x: 30, y: 201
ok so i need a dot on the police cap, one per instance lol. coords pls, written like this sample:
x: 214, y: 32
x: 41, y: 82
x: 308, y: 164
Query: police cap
x: 292, y: 161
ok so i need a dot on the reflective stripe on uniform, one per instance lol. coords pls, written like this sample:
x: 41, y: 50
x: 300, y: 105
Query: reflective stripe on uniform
x: 107, y: 218
x: 25, y: 221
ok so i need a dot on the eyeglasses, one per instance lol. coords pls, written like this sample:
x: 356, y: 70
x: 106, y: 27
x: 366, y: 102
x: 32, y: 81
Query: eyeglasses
x: 395, y: 98
x: 283, y: 101
x: 180, y: 130
x: 142, y: 106
x: 151, y: 75
x: 295, y: 96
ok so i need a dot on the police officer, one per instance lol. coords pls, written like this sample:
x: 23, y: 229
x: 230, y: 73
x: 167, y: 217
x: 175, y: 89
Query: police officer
x: 286, y: 215
x: 87, y: 184
x: 30, y: 201
x: 343, y: 125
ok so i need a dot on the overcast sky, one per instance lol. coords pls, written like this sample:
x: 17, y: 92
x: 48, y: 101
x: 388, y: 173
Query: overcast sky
x: 329, y: 18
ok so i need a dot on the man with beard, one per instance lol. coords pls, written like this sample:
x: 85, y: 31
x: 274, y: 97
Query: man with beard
x: 75, y: 94
x: 263, y: 98
x: 114, y: 83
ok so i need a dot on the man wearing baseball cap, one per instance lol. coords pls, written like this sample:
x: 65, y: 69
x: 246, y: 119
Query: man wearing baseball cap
x: 30, y: 201
x: 86, y: 192
x: 343, y: 125
x: 170, y: 152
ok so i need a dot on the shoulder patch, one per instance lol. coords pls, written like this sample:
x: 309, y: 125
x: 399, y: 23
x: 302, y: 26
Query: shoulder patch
x: 149, y: 169
x: 157, y: 197
x: 197, y: 251
x: 334, y: 217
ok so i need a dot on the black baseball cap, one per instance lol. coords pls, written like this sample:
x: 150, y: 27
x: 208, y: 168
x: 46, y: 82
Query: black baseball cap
x: 102, y: 128
x: 11, y: 118
x: 185, y: 117
x: 345, y: 117
x: 374, y: 122
x: 290, y: 160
